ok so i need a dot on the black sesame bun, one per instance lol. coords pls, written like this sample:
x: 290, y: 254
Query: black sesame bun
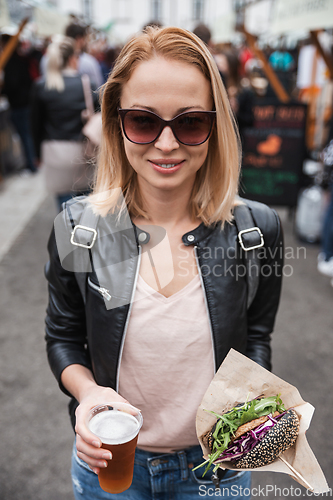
x: 277, y: 440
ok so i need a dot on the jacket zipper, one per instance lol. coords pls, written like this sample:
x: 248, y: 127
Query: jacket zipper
x: 206, y: 303
x: 103, y: 291
x: 128, y: 318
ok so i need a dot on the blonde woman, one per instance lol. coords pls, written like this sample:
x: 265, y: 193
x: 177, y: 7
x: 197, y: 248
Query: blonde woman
x: 57, y: 106
x: 171, y: 150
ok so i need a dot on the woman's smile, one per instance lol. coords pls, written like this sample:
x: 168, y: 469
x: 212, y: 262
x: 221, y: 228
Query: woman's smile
x: 167, y: 166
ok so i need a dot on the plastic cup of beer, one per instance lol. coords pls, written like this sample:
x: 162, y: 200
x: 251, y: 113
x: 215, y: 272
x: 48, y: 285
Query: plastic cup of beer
x: 117, y: 425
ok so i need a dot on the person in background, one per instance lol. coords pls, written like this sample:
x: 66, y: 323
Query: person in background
x: 325, y: 258
x: 203, y: 32
x: 241, y: 95
x: 139, y: 324
x: 245, y: 55
x: 284, y: 66
x: 36, y: 51
x: 108, y: 61
x: 281, y: 60
x: 152, y: 24
x: 18, y: 79
x: 57, y: 104
x: 87, y: 64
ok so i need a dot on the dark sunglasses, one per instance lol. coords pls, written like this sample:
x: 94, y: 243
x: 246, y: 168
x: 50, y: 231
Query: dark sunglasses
x: 144, y: 127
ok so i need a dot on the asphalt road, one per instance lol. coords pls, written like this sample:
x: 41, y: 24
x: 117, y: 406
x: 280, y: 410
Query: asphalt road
x: 35, y: 433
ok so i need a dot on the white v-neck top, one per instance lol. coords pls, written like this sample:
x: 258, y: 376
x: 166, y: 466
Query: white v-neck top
x: 167, y: 364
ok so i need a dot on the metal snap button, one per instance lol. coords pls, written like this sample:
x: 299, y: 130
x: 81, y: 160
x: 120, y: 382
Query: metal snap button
x: 143, y: 237
x: 190, y: 237
x: 156, y: 462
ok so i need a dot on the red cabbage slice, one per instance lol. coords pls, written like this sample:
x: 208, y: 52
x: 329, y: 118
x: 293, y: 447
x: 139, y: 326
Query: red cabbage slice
x: 247, y: 441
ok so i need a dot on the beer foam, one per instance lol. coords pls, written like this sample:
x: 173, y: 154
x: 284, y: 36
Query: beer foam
x: 114, y: 427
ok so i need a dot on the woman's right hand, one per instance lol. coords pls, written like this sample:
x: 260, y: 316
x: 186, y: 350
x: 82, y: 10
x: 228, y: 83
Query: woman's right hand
x: 88, y: 445
x: 80, y: 382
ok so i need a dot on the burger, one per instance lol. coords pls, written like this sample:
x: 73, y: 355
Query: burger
x: 251, y: 434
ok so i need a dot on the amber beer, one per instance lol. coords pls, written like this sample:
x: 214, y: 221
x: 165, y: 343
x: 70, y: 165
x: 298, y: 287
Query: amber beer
x: 118, y: 431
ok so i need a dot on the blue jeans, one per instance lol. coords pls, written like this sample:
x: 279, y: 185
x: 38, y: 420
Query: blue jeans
x: 21, y: 120
x: 163, y: 477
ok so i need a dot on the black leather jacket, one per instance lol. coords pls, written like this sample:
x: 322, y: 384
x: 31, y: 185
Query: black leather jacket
x: 80, y: 329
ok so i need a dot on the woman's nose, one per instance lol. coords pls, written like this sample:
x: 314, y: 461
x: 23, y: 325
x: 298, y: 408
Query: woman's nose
x: 166, y: 141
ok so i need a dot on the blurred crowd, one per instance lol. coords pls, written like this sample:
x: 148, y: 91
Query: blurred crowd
x: 242, y: 72
x: 43, y: 100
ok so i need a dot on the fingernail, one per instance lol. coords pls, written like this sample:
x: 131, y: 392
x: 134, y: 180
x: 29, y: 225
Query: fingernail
x: 95, y: 471
x: 105, y: 464
x: 107, y: 455
x: 96, y: 443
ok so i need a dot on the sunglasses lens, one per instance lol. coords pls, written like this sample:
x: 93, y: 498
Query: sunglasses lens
x: 193, y: 128
x: 141, y: 126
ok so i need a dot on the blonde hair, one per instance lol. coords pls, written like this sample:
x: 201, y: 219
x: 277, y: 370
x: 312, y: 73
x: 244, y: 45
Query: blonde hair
x: 216, y: 184
x: 58, y: 53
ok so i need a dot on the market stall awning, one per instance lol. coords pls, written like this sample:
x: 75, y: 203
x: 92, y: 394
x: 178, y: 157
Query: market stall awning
x: 292, y: 15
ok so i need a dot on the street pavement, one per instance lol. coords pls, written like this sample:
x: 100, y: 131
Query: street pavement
x: 35, y: 433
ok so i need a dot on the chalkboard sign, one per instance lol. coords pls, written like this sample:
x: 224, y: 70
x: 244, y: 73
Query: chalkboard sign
x: 273, y: 154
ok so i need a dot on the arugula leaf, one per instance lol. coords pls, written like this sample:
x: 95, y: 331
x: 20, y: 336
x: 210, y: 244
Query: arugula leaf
x: 249, y: 414
x: 269, y: 405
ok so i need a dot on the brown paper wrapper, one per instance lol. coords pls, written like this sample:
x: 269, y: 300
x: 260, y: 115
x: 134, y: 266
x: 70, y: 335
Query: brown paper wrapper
x: 240, y: 379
